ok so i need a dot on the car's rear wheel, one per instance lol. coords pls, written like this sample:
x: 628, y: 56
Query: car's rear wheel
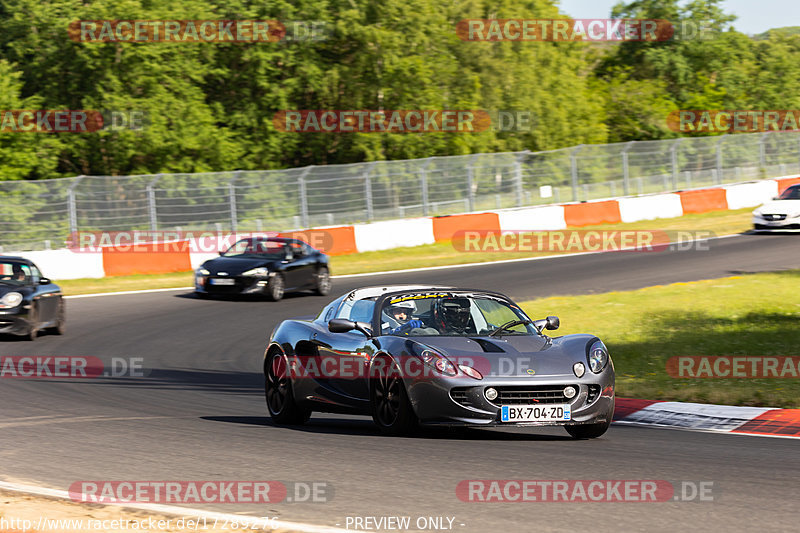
x: 391, y: 408
x: 276, y: 287
x: 323, y: 283
x: 588, y: 431
x: 278, y: 391
x: 61, y: 322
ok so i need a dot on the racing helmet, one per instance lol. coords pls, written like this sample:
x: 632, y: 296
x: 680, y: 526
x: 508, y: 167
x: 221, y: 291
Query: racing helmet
x: 452, y: 314
x: 406, y: 307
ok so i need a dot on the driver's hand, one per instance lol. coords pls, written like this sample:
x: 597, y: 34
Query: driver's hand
x: 408, y: 326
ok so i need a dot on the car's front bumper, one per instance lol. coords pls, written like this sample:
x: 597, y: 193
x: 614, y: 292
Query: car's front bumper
x: 15, y: 321
x: 761, y: 223
x: 240, y: 285
x: 434, y: 404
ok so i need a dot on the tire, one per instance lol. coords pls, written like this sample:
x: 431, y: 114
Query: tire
x: 61, y: 323
x: 33, y: 332
x: 391, y: 409
x: 278, y: 392
x: 276, y: 287
x: 588, y: 431
x: 323, y: 282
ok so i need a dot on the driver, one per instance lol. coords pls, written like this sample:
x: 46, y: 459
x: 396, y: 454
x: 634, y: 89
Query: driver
x: 18, y: 274
x: 400, y: 312
x: 452, y: 315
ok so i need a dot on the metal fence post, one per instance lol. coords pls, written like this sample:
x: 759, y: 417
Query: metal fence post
x: 470, y: 184
x: 232, y: 201
x: 574, y: 163
x: 674, y: 156
x: 301, y: 181
x: 762, y: 150
x: 518, y: 176
x: 719, y: 158
x: 626, y: 187
x: 72, y: 206
x: 151, y: 203
x: 423, y: 178
x: 368, y: 192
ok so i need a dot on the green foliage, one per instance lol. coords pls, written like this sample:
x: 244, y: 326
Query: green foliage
x: 210, y: 107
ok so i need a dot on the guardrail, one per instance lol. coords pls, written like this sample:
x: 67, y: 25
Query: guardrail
x: 41, y: 214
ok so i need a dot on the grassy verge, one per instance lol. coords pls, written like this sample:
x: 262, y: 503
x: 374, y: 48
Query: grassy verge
x: 753, y: 315
x: 440, y: 254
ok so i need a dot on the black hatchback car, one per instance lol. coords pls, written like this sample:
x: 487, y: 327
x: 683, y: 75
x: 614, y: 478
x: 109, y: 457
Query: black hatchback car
x: 29, y: 302
x: 269, y: 266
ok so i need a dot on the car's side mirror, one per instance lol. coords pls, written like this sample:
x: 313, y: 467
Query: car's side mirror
x: 342, y: 325
x: 45, y: 281
x: 551, y: 322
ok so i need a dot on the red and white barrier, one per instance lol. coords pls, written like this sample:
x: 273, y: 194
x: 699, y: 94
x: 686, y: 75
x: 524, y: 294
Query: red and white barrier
x: 763, y: 421
x: 342, y: 240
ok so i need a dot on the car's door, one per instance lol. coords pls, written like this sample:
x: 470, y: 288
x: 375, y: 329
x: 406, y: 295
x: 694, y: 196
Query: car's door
x: 298, y: 266
x: 344, y: 362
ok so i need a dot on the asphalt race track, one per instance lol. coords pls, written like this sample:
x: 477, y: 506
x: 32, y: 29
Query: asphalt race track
x: 200, y: 414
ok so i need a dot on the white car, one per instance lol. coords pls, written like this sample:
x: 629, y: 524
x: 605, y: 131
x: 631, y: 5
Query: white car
x: 780, y: 214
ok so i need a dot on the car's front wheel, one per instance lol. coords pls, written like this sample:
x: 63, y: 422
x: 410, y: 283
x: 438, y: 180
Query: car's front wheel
x: 278, y: 390
x: 33, y: 330
x: 61, y: 322
x: 391, y: 408
x: 588, y: 431
x: 276, y: 287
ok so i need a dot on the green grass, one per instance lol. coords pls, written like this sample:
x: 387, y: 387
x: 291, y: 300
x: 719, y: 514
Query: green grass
x: 440, y: 254
x: 720, y: 223
x: 126, y: 283
x: 752, y: 315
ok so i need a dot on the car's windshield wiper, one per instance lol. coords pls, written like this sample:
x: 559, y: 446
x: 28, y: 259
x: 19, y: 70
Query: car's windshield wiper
x: 509, y: 325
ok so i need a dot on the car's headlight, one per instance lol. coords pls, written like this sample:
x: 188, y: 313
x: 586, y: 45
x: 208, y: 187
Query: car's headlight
x: 434, y: 359
x: 260, y: 271
x: 202, y: 272
x: 597, y: 357
x: 757, y: 212
x: 11, y: 299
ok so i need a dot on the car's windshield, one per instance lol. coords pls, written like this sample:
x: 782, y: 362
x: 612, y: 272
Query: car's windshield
x: 453, y: 314
x: 266, y: 248
x: 792, y: 193
x: 13, y: 273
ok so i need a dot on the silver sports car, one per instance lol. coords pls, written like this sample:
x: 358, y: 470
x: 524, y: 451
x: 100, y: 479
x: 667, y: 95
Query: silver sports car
x: 412, y: 355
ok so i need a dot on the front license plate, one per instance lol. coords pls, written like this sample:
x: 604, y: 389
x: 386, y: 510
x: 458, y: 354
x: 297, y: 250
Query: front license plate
x: 222, y: 281
x: 535, y: 413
